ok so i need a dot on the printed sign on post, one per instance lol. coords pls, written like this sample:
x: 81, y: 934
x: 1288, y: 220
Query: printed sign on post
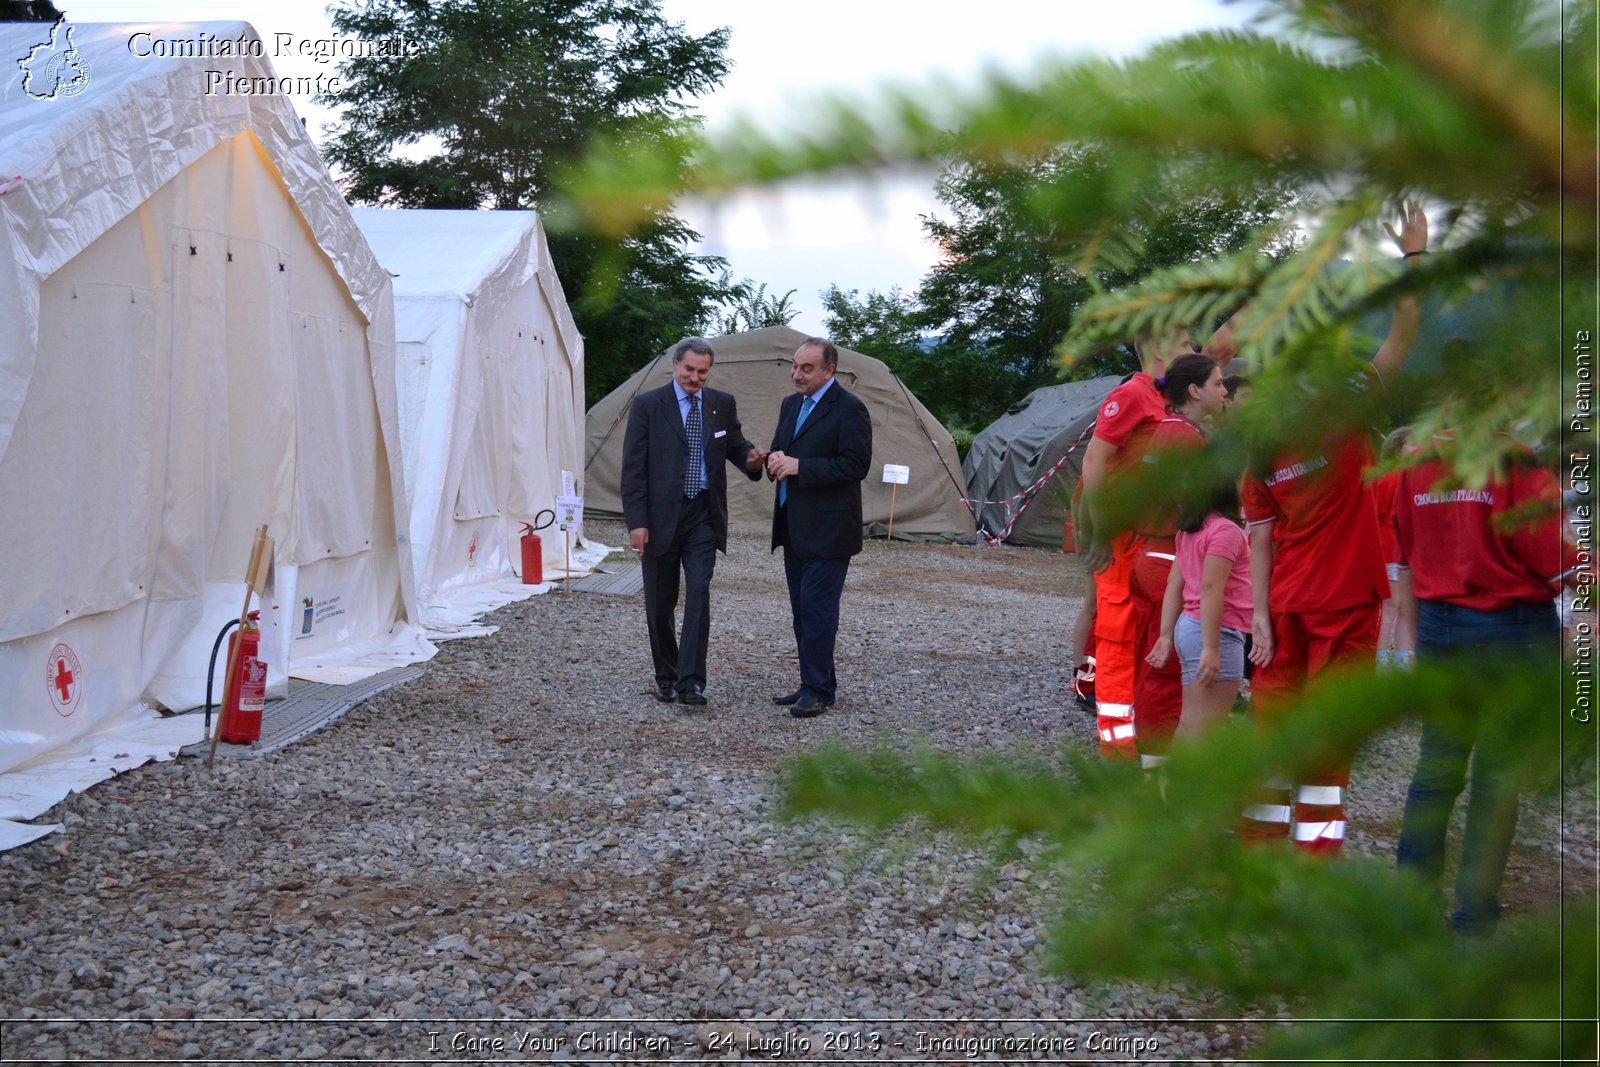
x: 569, y: 509
x: 895, y: 474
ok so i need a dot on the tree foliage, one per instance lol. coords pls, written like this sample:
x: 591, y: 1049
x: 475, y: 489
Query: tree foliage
x: 1487, y: 111
x: 1014, y: 271
x: 494, y: 98
x: 981, y: 332
x: 954, y: 384
x: 748, y: 306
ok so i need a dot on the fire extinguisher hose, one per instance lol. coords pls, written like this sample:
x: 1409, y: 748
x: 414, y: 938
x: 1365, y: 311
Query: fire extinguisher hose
x: 211, y: 669
x: 535, y: 526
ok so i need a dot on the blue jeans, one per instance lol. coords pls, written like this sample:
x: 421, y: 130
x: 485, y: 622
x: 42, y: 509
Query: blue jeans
x: 1444, y: 631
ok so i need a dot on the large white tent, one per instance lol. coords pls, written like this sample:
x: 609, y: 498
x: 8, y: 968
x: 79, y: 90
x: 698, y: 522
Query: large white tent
x: 490, y: 381
x: 196, y: 340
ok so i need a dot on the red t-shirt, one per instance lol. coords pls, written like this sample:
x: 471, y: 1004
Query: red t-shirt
x: 1128, y: 420
x: 1174, y: 433
x: 1383, y: 499
x: 1457, y: 552
x: 1325, y: 527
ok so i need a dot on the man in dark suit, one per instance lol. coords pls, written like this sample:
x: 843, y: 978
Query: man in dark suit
x: 675, y: 501
x: 820, y: 453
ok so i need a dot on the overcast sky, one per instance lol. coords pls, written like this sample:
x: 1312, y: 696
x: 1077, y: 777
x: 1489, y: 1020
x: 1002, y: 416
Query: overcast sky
x: 808, y: 237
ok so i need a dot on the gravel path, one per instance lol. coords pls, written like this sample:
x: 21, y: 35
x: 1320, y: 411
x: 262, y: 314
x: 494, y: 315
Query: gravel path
x: 524, y: 836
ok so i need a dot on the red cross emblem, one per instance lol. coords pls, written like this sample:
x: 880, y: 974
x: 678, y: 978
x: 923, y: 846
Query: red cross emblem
x: 64, y: 677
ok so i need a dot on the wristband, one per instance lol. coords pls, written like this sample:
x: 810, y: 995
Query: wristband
x: 1408, y: 255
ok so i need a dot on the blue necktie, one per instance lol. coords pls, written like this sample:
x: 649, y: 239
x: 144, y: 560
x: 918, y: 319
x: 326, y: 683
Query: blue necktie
x: 696, y: 434
x: 805, y: 409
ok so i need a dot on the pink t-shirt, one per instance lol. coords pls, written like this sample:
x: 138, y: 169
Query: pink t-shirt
x: 1217, y: 537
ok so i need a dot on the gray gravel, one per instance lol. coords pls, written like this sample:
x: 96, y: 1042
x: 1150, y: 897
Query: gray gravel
x: 524, y: 839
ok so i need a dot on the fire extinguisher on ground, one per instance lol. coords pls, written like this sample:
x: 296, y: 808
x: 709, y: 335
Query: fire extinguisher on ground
x: 247, y: 689
x: 533, y: 548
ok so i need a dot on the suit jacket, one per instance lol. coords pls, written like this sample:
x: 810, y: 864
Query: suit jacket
x: 654, y: 453
x: 834, y: 448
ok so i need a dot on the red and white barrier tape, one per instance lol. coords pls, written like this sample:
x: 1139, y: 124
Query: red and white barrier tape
x: 1026, y: 496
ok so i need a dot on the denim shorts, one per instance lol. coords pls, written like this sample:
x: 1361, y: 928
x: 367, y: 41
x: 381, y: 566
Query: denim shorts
x: 1186, y: 639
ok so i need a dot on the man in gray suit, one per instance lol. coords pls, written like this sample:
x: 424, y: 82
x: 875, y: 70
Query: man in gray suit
x: 675, y: 502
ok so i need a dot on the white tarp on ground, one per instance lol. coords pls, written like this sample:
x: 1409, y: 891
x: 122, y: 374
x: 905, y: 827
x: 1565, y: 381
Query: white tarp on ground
x: 490, y: 390
x: 195, y: 339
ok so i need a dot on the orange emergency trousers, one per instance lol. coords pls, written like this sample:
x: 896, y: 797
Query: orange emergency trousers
x: 1157, y: 691
x: 1307, y: 643
x: 1115, y: 640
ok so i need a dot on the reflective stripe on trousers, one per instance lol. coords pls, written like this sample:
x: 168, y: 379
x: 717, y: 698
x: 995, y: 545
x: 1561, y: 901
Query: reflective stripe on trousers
x: 1118, y: 737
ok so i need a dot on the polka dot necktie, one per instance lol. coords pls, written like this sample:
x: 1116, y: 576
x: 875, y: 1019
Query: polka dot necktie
x: 696, y: 433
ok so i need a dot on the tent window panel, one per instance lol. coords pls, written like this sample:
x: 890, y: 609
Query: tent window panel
x: 336, y: 440
x: 84, y: 475
x: 478, y: 495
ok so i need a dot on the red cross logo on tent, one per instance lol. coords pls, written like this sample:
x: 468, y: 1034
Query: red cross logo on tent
x: 64, y: 677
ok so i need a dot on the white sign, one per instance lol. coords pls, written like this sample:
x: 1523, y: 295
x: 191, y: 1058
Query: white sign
x: 569, y: 509
x: 893, y: 472
x: 568, y: 487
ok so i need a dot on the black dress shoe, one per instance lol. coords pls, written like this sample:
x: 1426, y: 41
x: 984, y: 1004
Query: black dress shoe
x: 808, y: 706
x: 789, y: 699
x: 692, y: 694
x: 665, y: 693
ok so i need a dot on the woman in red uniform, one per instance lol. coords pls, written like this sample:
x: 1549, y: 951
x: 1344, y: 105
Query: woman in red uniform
x: 1123, y: 430
x: 1194, y: 393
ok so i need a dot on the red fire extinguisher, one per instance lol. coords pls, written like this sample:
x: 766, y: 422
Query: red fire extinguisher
x: 247, y: 691
x: 533, y: 549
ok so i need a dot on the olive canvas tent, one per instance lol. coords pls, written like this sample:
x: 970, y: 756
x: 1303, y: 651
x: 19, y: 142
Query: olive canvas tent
x: 489, y: 368
x: 197, y: 340
x: 1015, y: 452
x: 754, y: 367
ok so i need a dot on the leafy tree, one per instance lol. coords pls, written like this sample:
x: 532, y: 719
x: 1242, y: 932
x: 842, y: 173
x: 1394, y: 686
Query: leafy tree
x: 493, y: 98
x: 1487, y: 110
x: 881, y: 325
x: 1013, y: 272
x: 957, y: 386
x: 748, y: 307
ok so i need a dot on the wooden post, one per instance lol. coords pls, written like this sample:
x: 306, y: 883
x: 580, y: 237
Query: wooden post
x: 893, y: 487
x: 566, y: 535
x: 255, y: 576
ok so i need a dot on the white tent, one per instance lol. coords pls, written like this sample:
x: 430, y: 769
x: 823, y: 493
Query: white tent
x: 490, y: 381
x: 196, y: 340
